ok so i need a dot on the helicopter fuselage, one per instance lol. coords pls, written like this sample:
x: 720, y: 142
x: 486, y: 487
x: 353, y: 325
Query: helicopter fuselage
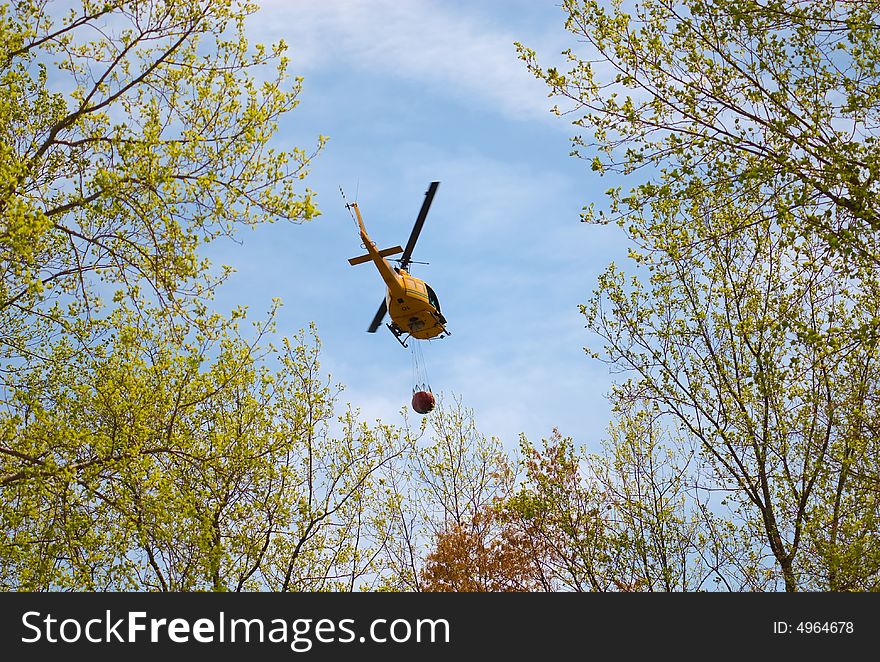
x: 411, y: 309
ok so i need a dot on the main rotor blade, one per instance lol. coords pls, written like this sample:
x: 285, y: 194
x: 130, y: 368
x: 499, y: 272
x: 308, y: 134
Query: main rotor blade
x: 417, y: 228
x: 377, y: 320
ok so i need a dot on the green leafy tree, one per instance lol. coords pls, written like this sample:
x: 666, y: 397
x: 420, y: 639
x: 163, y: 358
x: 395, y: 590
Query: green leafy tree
x: 781, y: 96
x: 131, y: 134
x: 146, y: 442
x: 661, y: 523
x: 153, y: 465
x: 752, y: 347
x: 748, y: 131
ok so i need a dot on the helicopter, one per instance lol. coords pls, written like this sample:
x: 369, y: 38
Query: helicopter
x: 409, y: 301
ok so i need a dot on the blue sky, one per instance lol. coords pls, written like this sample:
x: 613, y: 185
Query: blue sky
x: 409, y: 92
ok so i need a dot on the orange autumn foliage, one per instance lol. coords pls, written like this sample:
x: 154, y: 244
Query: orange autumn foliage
x: 484, y: 556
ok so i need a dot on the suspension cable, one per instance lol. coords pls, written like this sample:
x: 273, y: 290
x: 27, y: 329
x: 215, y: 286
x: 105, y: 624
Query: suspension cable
x: 419, y: 368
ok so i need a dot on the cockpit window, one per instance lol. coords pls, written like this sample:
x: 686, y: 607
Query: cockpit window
x: 432, y: 298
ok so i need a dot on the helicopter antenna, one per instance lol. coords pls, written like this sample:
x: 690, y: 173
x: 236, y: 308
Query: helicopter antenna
x: 348, y: 206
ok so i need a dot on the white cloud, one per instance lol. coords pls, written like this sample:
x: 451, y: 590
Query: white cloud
x: 455, y: 53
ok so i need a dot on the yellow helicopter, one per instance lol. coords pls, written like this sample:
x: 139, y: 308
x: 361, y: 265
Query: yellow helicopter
x: 409, y: 301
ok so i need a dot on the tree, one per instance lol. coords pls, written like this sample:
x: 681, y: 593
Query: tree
x: 131, y: 134
x: 152, y: 465
x: 145, y: 442
x: 779, y: 96
x: 751, y: 324
x: 627, y: 518
x: 441, y: 493
x: 482, y: 556
x: 661, y: 522
x: 559, y: 513
x: 752, y: 347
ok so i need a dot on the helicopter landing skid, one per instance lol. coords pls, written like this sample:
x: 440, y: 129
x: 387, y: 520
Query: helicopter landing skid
x: 399, y: 334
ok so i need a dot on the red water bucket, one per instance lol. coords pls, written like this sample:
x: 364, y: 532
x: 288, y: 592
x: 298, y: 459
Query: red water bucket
x: 423, y: 401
